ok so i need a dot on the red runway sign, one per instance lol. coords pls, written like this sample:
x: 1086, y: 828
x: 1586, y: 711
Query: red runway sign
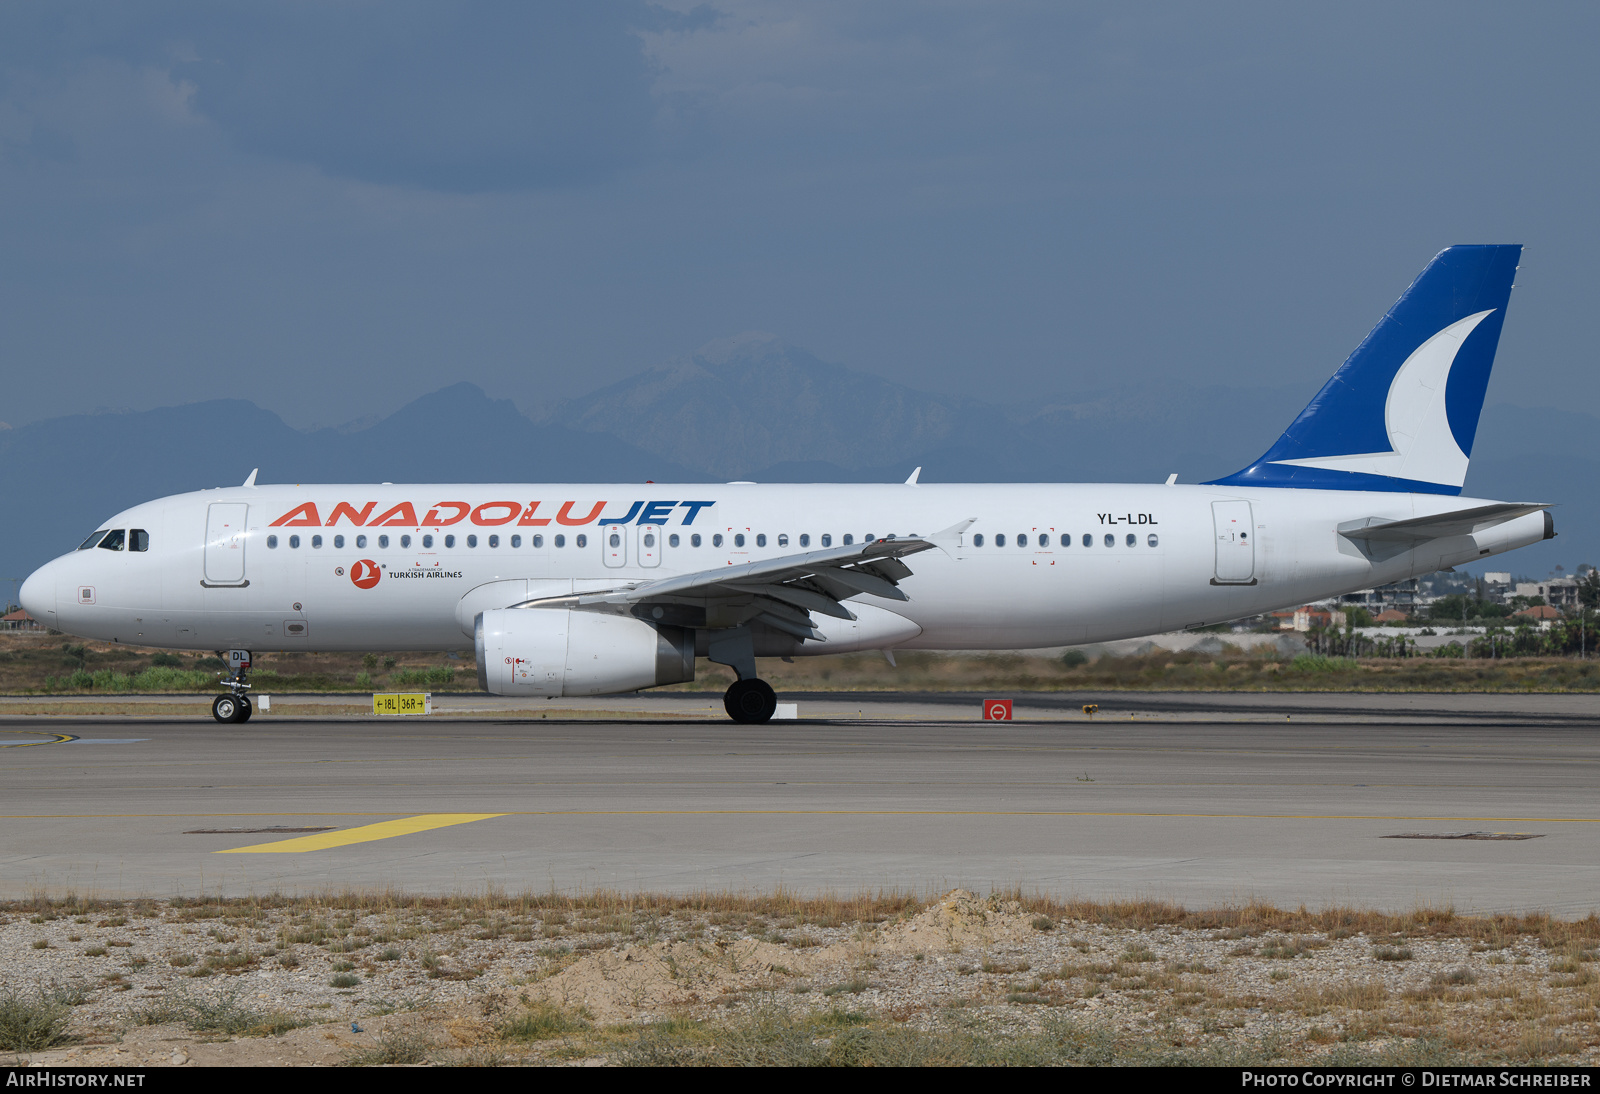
x: 997, y: 710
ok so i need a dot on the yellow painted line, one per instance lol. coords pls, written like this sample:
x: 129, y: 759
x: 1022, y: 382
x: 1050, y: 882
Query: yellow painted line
x: 405, y: 826
x: 466, y: 817
x: 56, y: 739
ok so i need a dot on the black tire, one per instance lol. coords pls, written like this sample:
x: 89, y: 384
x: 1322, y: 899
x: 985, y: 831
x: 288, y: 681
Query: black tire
x: 750, y: 702
x: 225, y: 709
x: 246, y: 708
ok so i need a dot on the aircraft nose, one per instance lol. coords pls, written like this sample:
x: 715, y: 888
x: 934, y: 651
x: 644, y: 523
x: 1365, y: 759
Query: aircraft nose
x: 38, y: 595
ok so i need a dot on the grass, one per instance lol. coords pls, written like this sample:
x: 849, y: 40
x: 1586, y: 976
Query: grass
x: 776, y: 1038
x: 32, y: 664
x: 541, y: 1021
x: 224, y: 1014
x: 33, y: 1021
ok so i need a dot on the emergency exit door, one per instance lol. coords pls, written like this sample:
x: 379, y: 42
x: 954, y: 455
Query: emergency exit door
x: 1236, y: 543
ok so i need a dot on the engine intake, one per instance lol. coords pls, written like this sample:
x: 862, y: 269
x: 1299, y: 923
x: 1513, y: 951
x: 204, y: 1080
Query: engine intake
x: 552, y: 652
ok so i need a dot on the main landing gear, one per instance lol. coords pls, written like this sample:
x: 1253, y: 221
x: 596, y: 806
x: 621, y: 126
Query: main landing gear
x: 235, y: 706
x: 750, y: 701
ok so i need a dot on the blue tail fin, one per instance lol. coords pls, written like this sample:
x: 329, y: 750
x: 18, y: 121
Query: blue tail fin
x: 1401, y: 413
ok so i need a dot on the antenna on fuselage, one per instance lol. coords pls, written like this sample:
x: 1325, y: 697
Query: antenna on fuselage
x: 251, y: 481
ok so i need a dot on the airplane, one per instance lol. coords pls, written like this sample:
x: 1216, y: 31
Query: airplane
x: 580, y: 589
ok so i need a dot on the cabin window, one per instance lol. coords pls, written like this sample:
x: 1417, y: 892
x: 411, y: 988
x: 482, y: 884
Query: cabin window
x: 272, y: 543
x: 316, y: 543
x: 294, y: 541
x: 849, y: 540
x: 516, y: 541
x: 338, y: 543
x: 1000, y: 540
x: 1022, y: 540
x: 805, y: 540
x: 427, y: 541
x: 738, y: 539
x: 580, y: 541
x: 1153, y: 540
x: 1111, y: 540
x: 615, y: 540
x: 783, y: 540
x: 113, y: 540
x: 472, y: 541
x: 138, y: 540
x: 761, y: 539
x: 716, y: 540
x: 1088, y: 540
x: 561, y: 541
x: 694, y: 540
x: 1133, y: 540
x: 537, y: 541
x: 827, y: 539
x: 494, y: 541
x: 405, y: 541
x: 94, y: 537
x: 649, y: 539
x: 361, y: 543
x: 672, y: 540
x: 1044, y: 539
x: 868, y: 538
x: 383, y: 541
x: 977, y: 540
x: 449, y: 541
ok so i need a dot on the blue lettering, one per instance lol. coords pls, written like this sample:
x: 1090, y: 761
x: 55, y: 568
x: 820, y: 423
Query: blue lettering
x: 656, y: 512
x: 694, y: 508
x: 623, y: 520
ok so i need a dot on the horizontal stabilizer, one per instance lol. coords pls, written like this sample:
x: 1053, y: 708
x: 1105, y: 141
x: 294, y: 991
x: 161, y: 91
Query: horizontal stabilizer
x: 1462, y: 522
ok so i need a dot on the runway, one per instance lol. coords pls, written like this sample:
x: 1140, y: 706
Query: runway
x: 1197, y: 799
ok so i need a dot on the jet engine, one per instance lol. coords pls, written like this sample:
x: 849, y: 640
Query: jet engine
x: 552, y: 652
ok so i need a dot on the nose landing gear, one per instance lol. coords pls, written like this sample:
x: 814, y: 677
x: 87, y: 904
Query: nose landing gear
x: 235, y: 706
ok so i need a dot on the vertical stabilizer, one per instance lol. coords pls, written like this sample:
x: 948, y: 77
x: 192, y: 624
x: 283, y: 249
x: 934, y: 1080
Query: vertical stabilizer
x: 1402, y: 411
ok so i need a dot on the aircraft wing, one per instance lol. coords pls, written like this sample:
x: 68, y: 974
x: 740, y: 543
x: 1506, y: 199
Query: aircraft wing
x: 1459, y: 523
x: 780, y: 592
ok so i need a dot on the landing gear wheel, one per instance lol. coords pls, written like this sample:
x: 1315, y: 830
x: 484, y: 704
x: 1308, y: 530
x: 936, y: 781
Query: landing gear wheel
x: 226, y: 708
x: 246, y: 708
x: 751, y: 702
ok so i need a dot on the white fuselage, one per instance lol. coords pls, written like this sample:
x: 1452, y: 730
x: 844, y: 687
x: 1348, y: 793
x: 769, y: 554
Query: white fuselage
x: 238, y: 568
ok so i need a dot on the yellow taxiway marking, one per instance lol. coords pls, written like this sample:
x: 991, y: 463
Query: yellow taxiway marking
x: 55, y: 738
x: 405, y: 826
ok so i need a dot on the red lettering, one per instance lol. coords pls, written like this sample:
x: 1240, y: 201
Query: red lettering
x: 529, y: 519
x: 512, y: 508
x: 302, y: 516
x: 432, y: 519
x: 566, y: 508
x: 401, y: 516
x: 345, y: 509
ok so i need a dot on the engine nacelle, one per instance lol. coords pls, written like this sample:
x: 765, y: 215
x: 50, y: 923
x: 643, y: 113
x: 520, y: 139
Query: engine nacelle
x: 551, y: 652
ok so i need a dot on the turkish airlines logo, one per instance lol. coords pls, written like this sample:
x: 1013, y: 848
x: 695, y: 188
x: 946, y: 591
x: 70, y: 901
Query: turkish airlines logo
x: 365, y: 574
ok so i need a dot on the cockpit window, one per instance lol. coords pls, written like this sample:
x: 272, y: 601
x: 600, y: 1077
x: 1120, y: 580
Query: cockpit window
x: 113, y: 540
x: 92, y: 540
x: 138, y: 539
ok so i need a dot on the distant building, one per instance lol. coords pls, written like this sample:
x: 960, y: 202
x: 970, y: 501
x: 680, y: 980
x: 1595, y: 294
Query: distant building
x: 1539, y: 613
x: 20, y: 620
x: 1500, y: 577
x: 1307, y: 617
x: 1391, y: 615
x: 1558, y: 592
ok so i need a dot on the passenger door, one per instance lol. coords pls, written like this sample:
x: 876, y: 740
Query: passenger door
x: 225, y: 540
x: 1236, y: 546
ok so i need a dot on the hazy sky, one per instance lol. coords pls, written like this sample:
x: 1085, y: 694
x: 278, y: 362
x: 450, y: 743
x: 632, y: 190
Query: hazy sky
x: 332, y: 207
